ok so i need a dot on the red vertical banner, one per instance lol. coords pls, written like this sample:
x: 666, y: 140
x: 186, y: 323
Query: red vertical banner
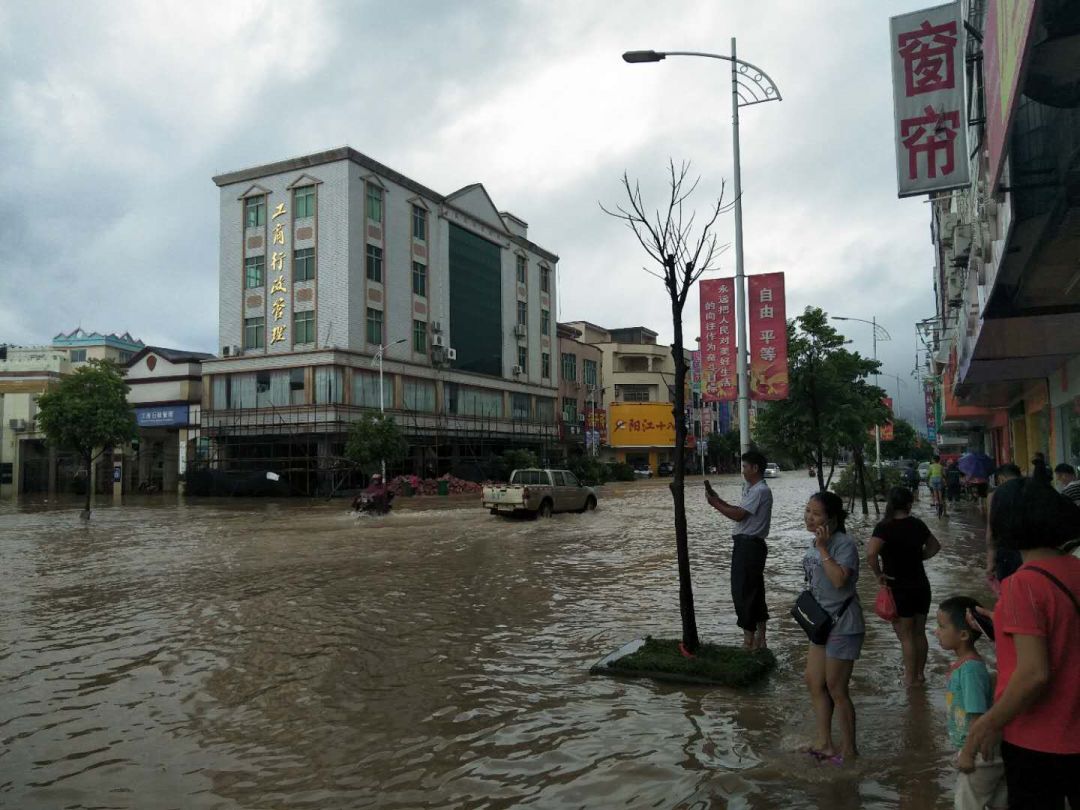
x: 768, y: 337
x: 719, y: 381
x: 887, y: 428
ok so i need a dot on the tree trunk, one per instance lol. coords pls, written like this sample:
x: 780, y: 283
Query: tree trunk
x: 89, y: 458
x: 815, y: 420
x: 860, y: 472
x: 678, y: 493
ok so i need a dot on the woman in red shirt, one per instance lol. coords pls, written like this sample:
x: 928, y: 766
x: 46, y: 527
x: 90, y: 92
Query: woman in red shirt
x: 1036, y: 711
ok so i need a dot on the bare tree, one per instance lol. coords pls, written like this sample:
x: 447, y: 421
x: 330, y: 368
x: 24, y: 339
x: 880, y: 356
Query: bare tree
x: 668, y: 237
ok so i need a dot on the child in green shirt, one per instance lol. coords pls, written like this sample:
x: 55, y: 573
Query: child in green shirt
x: 968, y: 694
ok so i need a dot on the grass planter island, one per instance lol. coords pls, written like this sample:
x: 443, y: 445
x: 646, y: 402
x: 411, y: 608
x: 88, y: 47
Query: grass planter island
x: 661, y: 660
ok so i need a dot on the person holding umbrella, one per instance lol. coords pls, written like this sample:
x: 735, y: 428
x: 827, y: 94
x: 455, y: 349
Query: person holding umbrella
x: 977, y: 467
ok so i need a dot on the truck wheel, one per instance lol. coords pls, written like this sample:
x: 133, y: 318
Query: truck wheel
x: 590, y: 504
x: 545, y: 509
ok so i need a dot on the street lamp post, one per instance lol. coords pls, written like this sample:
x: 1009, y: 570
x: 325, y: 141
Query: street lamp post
x: 382, y: 409
x: 877, y: 329
x: 749, y: 85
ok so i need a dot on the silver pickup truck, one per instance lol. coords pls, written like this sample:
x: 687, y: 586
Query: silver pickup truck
x: 539, y: 492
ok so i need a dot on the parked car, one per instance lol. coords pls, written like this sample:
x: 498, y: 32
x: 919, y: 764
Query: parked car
x: 643, y: 471
x: 540, y: 493
x: 665, y: 469
x: 772, y: 470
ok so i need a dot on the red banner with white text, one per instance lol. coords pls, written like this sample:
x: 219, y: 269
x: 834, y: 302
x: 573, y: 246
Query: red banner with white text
x: 768, y: 337
x: 719, y: 380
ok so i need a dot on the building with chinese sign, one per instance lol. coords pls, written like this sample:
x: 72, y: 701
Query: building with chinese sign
x: 27, y: 465
x: 1003, y: 368
x: 581, y: 392
x: 332, y: 260
x: 636, y: 370
x: 166, y: 392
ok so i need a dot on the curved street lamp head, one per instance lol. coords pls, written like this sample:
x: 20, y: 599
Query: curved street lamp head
x: 643, y: 56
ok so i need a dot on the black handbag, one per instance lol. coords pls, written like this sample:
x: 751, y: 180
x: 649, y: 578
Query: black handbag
x: 813, y: 618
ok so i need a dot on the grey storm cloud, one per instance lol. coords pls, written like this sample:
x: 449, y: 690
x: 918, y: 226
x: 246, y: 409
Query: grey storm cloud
x: 116, y: 115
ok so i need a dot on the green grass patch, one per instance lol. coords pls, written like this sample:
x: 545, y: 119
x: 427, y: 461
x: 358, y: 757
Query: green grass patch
x: 713, y: 664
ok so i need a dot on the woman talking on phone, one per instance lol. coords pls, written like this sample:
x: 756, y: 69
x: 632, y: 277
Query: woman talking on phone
x: 831, y: 566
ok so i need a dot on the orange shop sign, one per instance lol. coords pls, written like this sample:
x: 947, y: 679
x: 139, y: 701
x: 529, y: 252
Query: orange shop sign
x: 641, y: 424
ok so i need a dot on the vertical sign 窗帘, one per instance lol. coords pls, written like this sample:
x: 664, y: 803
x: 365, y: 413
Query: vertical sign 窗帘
x: 768, y: 337
x: 931, y: 418
x: 719, y: 381
x: 927, y: 51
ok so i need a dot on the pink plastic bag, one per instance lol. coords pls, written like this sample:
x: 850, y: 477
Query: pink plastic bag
x: 885, y: 605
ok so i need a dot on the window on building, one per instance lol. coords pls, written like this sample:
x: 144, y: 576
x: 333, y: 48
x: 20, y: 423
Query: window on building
x: 522, y: 313
x: 588, y: 372
x: 522, y: 270
x: 450, y: 397
x: 545, y: 279
x: 254, y: 333
x: 123, y: 356
x: 545, y: 410
x: 419, y: 223
x: 569, y: 409
x: 523, y: 358
x: 366, y: 389
x: 545, y: 365
x: 634, y: 393
x: 303, y: 202
x: 418, y: 395
x: 545, y: 322
x: 519, y: 406
x: 374, y: 326
x: 328, y: 385
x: 219, y: 389
x: 304, y: 327
x: 374, y: 263
x: 479, y: 402
x: 255, y: 211
x: 374, y: 202
x: 569, y: 367
x: 419, y: 337
x: 419, y: 279
x: 304, y: 264
x: 78, y: 355
x: 297, y: 388
x: 254, y: 271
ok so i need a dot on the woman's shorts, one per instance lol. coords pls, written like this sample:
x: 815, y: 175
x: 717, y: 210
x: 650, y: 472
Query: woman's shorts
x: 936, y: 483
x: 912, y: 601
x: 844, y: 647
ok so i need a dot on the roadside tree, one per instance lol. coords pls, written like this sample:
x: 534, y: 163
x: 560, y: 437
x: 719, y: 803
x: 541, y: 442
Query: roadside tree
x: 374, y: 439
x: 680, y: 252
x: 88, y: 413
x: 831, y: 405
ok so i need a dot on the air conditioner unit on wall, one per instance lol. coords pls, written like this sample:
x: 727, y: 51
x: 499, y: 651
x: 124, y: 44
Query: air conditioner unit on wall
x: 17, y: 424
x: 236, y: 351
x: 438, y: 340
x: 224, y: 351
x: 516, y: 370
x: 521, y: 330
x: 451, y: 354
x: 436, y: 326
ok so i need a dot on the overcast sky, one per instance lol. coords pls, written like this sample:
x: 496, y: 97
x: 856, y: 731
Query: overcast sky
x: 116, y: 115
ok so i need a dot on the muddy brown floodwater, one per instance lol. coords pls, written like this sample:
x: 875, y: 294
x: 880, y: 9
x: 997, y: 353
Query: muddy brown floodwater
x: 250, y: 654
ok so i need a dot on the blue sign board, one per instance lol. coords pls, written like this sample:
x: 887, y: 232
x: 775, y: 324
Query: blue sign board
x: 162, y: 416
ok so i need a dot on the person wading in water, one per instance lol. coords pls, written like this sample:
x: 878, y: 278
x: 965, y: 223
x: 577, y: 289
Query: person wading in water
x: 752, y: 517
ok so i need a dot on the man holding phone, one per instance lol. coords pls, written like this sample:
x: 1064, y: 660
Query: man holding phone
x: 752, y: 517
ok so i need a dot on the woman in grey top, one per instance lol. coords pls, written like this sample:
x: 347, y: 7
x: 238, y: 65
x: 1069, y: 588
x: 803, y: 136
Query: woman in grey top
x: 831, y: 566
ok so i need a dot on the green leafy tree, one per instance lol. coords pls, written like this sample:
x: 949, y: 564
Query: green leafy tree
x: 680, y: 250
x: 374, y: 439
x: 88, y: 413
x: 723, y: 449
x: 831, y: 406
x: 904, y: 443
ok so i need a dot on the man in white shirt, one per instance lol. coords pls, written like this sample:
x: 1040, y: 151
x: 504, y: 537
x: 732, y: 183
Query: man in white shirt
x: 753, y: 516
x: 1067, y: 483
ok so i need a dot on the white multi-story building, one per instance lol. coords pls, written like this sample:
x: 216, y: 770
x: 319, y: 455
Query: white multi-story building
x: 328, y: 258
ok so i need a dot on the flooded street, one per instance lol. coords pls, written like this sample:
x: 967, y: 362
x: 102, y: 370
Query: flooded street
x: 248, y: 654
